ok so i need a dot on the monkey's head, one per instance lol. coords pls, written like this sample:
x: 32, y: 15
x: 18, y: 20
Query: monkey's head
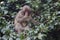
x: 26, y: 8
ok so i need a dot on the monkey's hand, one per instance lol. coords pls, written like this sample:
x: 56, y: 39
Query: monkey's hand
x: 35, y: 22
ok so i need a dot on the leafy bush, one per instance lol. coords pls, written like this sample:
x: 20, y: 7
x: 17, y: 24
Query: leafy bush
x: 47, y: 12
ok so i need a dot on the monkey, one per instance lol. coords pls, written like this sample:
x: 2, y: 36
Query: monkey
x: 22, y: 18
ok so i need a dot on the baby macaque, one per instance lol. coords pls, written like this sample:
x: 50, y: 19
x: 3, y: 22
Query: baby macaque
x: 22, y: 18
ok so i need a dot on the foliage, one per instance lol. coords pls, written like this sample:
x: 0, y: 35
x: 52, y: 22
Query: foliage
x: 47, y: 12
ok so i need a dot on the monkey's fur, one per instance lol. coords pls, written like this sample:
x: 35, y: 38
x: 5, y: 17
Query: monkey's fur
x: 22, y: 18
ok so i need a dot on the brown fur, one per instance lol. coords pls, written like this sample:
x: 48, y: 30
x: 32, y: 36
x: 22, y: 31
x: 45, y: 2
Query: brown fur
x: 22, y: 18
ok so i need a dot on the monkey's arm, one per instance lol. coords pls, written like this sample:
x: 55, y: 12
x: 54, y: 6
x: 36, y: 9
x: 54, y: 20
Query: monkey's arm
x: 35, y: 22
x: 23, y: 18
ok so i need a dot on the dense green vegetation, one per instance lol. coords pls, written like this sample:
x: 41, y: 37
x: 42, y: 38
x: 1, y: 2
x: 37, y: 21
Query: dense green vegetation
x: 47, y: 12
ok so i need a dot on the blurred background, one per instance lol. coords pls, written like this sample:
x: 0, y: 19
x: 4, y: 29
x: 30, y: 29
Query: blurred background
x: 47, y: 12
